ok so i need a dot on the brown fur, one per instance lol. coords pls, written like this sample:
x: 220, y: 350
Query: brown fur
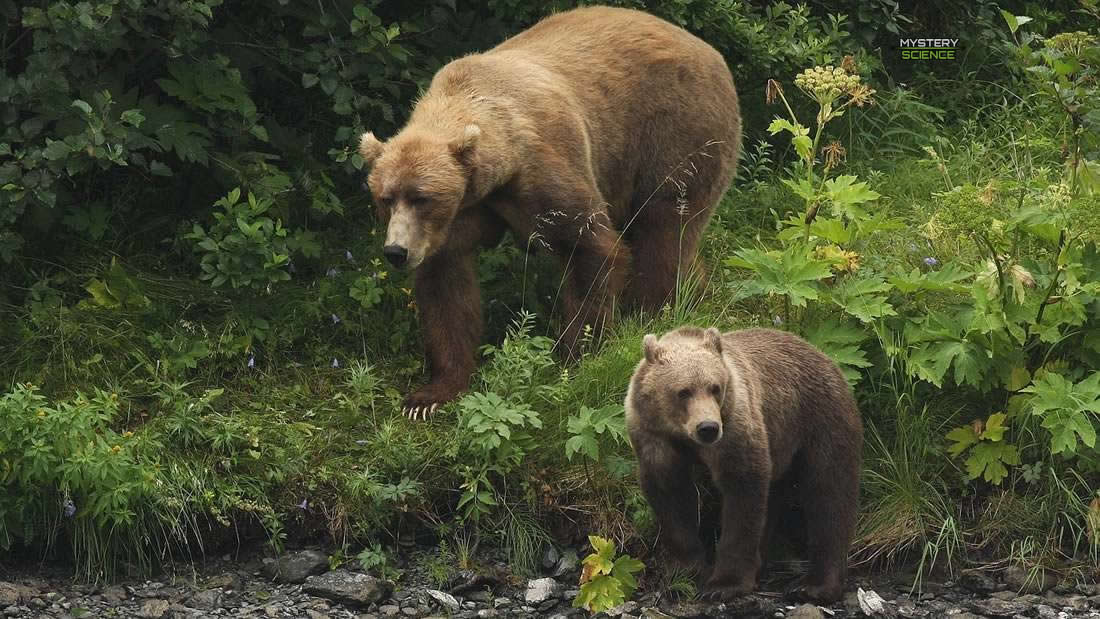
x: 603, y: 135
x: 787, y: 420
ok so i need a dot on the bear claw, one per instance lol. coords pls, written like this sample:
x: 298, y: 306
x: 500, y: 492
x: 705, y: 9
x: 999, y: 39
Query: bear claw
x: 421, y: 412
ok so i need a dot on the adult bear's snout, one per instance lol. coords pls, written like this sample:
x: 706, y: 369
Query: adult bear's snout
x: 396, y: 254
x: 707, y: 432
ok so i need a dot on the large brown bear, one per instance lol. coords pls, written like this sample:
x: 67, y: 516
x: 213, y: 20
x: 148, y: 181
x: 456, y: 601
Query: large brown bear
x: 603, y: 135
x: 765, y: 412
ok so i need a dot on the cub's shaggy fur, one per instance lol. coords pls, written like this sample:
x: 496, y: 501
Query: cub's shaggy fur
x: 766, y: 413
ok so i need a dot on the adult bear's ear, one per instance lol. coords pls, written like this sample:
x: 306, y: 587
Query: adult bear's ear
x: 650, y: 349
x: 713, y: 339
x: 369, y: 148
x: 463, y: 147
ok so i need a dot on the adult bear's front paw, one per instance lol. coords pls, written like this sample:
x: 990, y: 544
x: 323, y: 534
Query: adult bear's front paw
x: 426, y: 400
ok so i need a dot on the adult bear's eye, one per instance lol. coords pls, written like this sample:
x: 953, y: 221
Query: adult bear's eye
x: 715, y: 390
x: 418, y: 200
x: 684, y: 394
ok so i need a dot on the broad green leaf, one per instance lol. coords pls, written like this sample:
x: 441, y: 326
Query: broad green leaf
x: 962, y: 439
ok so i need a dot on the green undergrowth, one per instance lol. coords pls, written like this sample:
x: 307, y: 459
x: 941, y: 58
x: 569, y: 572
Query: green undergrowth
x: 152, y: 409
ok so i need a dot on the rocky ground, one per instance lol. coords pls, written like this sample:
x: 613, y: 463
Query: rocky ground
x: 301, y: 584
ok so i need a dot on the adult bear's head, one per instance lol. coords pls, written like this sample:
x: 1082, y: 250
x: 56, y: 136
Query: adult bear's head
x: 418, y: 180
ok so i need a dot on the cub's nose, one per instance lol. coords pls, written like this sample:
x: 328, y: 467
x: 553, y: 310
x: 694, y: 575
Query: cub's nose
x: 707, y: 431
x: 396, y: 254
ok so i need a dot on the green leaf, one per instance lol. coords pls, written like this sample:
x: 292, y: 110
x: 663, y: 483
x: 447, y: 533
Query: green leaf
x: 803, y: 145
x: 56, y: 149
x: 133, y: 117
x: 1014, y: 21
x: 994, y: 427
x: 83, y: 106
x: 802, y: 187
x: 624, y: 569
x: 988, y: 460
x: 309, y: 80
x: 962, y: 438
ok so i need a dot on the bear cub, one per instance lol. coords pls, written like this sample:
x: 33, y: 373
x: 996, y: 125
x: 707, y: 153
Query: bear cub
x: 766, y: 413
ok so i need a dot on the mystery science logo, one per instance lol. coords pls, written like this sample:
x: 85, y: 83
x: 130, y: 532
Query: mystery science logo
x: 928, y: 48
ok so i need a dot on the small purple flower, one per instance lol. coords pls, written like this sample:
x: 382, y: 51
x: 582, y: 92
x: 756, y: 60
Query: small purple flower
x: 251, y: 361
x: 335, y: 363
x: 347, y: 254
x: 777, y: 321
x: 69, y: 508
x: 333, y: 272
x: 304, y: 504
x: 930, y: 261
x: 335, y: 319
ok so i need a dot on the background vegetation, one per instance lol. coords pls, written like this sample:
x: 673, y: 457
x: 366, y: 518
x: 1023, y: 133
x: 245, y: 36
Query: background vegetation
x: 200, y: 345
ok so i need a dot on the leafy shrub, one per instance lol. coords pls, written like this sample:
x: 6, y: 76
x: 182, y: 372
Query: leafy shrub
x: 606, y: 580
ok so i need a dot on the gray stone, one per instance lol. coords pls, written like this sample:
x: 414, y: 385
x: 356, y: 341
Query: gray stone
x: 12, y: 594
x: 994, y: 607
x: 153, y: 609
x: 806, y: 611
x: 446, y: 599
x: 686, y: 610
x: 1046, y: 612
x: 228, y: 580
x: 295, y: 567
x: 206, y: 600
x: 409, y: 611
x: 483, y: 596
x: 502, y: 603
x: 351, y: 588
x: 627, y: 607
x: 488, y: 613
x: 389, y: 610
x: 1022, y: 580
x: 653, y: 613
x: 115, y: 594
x: 540, y: 589
x: 567, y: 564
x: 550, y: 557
x: 978, y: 582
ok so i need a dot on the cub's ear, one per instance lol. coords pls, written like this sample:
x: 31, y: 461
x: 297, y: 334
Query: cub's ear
x: 713, y: 339
x: 369, y: 147
x: 651, y: 350
x: 464, y: 145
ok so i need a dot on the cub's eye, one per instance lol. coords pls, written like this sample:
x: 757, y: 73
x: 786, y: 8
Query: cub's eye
x: 385, y: 202
x: 418, y: 201
x: 715, y: 390
x: 684, y: 394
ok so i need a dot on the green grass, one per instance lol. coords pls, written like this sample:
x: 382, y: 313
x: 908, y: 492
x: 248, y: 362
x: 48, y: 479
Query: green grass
x: 294, y: 448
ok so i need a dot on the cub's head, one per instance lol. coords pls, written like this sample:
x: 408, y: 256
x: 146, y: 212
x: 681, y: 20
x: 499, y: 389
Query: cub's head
x: 680, y: 385
x: 418, y: 180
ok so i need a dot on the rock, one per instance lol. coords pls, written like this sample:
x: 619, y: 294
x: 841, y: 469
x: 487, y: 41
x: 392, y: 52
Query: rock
x: 409, y: 611
x: 550, y: 557
x: 482, y: 596
x: 446, y: 599
x: 206, y: 600
x: 12, y: 594
x: 1021, y: 580
x: 978, y: 582
x: 653, y: 613
x: 872, y: 604
x: 539, y: 590
x: 351, y: 588
x: 627, y: 607
x: 295, y: 567
x: 567, y: 564
x: 228, y: 580
x: 389, y: 610
x: 748, y: 606
x: 806, y: 611
x: 1046, y: 612
x: 686, y: 610
x: 488, y: 613
x: 153, y: 609
x: 995, y: 607
x: 115, y: 594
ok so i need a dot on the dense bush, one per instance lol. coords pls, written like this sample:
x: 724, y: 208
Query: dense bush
x: 183, y: 236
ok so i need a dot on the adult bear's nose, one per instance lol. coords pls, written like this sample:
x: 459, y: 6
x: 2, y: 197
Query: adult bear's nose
x: 707, y: 431
x: 396, y: 254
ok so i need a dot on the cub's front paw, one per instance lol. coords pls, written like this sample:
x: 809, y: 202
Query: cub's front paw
x: 424, y: 401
